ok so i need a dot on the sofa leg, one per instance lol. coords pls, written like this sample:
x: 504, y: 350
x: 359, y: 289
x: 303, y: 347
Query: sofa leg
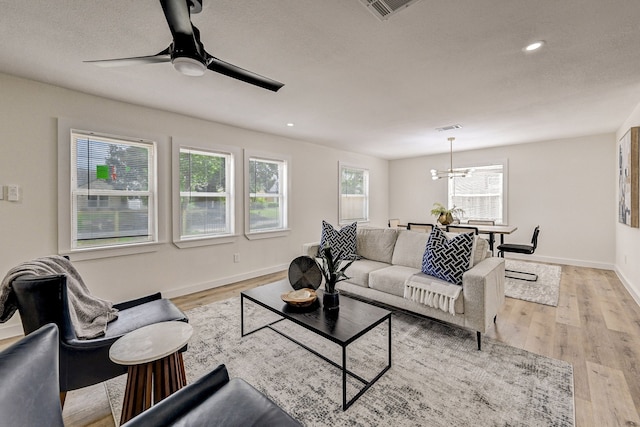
x: 479, y: 338
x: 63, y: 397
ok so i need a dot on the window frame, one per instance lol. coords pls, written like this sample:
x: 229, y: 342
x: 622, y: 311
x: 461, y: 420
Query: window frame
x: 284, y: 194
x: 505, y: 186
x: 151, y: 193
x: 366, y: 177
x: 232, y: 178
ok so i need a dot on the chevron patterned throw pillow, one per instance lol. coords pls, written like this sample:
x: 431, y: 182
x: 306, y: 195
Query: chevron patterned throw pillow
x: 447, y: 259
x: 341, y: 241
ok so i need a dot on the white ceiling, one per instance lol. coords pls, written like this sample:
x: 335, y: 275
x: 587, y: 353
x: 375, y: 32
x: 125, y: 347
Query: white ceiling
x: 352, y: 81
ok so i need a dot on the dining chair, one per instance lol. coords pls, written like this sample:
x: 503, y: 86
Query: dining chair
x: 420, y: 227
x: 462, y: 229
x: 484, y: 222
x: 521, y: 249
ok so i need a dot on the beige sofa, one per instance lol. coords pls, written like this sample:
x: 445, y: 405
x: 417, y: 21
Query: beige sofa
x: 390, y: 257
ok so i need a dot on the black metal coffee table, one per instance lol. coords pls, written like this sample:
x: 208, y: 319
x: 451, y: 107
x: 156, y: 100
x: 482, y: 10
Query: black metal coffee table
x: 353, y: 320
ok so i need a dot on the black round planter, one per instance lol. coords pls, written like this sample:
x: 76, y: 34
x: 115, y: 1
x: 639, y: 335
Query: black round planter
x: 331, y: 301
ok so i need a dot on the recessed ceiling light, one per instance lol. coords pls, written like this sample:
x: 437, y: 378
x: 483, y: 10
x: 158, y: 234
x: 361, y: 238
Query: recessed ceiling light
x: 290, y: 125
x: 534, y: 46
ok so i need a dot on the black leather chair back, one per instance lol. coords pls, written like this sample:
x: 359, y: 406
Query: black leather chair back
x: 29, y: 371
x: 42, y: 300
x: 534, y: 239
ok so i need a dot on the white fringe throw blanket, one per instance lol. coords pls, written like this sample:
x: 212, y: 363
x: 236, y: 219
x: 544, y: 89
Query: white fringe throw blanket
x: 433, y: 294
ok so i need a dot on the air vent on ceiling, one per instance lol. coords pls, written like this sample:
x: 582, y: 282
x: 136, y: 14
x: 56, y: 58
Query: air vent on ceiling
x: 450, y: 127
x: 383, y: 9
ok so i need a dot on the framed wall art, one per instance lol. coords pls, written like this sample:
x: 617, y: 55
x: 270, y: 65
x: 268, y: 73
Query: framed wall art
x: 629, y: 178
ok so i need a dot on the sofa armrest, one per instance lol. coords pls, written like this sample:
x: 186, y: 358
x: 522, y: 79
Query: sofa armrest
x: 311, y: 249
x: 483, y: 293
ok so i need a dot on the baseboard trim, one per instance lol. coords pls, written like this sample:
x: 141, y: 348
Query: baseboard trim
x: 627, y: 284
x: 11, y: 331
x: 564, y: 261
x: 178, y: 292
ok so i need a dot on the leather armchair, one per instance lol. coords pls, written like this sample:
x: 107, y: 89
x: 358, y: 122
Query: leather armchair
x: 29, y: 372
x: 43, y: 299
x: 214, y: 400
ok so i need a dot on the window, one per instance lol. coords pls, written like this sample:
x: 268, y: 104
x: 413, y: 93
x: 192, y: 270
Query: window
x: 354, y: 194
x: 206, y: 193
x: 113, y: 191
x: 482, y: 195
x: 268, y: 187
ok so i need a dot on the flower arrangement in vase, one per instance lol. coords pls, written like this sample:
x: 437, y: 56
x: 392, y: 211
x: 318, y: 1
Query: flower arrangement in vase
x: 333, y: 271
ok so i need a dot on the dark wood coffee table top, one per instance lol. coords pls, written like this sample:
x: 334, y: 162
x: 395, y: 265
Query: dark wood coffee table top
x: 353, y: 319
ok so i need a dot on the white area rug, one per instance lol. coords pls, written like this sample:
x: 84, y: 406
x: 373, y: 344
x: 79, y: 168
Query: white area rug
x: 543, y: 291
x: 437, y: 378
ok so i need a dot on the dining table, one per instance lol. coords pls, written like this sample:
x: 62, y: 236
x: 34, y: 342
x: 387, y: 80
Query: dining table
x: 492, y: 230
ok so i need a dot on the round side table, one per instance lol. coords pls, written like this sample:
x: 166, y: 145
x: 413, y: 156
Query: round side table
x: 155, y: 367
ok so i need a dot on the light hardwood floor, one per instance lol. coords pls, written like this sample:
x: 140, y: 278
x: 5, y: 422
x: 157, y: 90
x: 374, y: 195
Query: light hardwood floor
x: 596, y: 327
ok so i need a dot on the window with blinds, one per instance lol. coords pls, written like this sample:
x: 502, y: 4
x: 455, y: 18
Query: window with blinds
x: 206, y: 194
x: 267, y: 194
x: 354, y: 194
x: 481, y: 195
x: 113, y: 190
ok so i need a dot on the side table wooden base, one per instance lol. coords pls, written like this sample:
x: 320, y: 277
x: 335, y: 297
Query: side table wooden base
x: 149, y: 383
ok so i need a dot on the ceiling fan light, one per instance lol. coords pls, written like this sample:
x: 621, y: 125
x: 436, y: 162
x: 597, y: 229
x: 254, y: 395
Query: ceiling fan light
x: 189, y: 66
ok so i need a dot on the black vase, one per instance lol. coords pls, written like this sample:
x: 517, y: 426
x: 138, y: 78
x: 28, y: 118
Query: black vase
x: 331, y: 301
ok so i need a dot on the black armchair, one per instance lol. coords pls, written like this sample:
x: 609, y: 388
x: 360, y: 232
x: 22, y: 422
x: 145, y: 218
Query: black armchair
x: 29, y: 372
x: 43, y: 299
x: 214, y: 400
x: 29, y: 396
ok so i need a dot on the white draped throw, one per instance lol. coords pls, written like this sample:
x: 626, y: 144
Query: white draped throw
x: 433, y: 294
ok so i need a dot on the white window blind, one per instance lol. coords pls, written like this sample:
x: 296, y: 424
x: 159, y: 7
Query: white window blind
x: 354, y: 194
x: 267, y: 194
x: 481, y: 195
x: 112, y: 190
x: 206, y: 194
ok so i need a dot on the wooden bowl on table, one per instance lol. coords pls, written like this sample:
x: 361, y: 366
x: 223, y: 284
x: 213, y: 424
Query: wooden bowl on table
x: 300, y: 298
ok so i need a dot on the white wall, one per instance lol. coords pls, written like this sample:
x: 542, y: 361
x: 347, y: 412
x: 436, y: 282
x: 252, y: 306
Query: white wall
x: 29, y: 113
x: 627, y: 254
x: 565, y: 186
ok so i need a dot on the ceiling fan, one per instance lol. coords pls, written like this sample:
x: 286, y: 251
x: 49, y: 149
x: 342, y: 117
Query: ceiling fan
x: 187, y: 53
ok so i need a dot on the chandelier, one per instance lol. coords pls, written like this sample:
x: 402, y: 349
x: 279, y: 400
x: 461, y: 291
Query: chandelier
x: 451, y: 172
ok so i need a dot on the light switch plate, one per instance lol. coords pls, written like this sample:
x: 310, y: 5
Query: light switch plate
x: 13, y: 193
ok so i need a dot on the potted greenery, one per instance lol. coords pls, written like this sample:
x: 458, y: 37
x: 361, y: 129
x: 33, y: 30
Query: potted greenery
x: 333, y: 271
x: 445, y: 216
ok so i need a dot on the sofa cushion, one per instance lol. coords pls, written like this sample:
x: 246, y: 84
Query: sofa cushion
x: 409, y: 248
x: 391, y: 279
x: 359, y: 271
x: 376, y: 244
x: 445, y: 258
x: 341, y: 241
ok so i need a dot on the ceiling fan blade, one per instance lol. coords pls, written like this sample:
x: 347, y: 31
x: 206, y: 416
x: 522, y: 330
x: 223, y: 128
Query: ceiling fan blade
x: 178, y: 17
x: 222, y: 67
x: 163, y: 56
